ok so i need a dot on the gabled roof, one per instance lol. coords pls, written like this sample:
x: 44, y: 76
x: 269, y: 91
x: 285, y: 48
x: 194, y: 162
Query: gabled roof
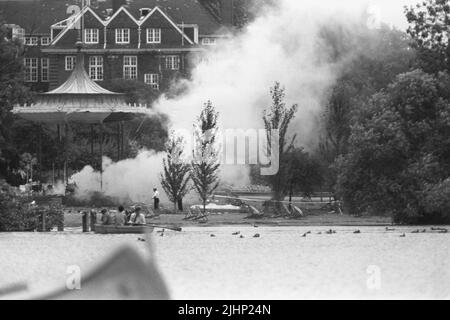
x: 157, y: 9
x: 36, y: 16
x: 121, y: 9
x: 75, y: 20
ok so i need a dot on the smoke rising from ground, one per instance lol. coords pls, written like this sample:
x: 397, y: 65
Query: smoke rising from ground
x: 283, y: 44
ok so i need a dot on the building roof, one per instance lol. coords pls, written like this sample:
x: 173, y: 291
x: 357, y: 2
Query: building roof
x: 36, y: 16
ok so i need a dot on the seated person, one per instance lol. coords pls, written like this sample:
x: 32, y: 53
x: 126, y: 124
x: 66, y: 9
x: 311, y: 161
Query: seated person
x: 120, y: 216
x: 106, y: 218
x: 137, y: 217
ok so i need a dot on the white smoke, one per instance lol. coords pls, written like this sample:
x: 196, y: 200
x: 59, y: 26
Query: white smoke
x: 282, y: 44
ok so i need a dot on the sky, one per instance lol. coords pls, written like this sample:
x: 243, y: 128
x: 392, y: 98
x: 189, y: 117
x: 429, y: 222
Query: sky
x: 391, y: 11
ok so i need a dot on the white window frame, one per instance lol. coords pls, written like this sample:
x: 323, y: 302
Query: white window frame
x: 153, y: 35
x: 31, y: 41
x: 130, y: 67
x: 69, y: 62
x: 209, y: 41
x: 152, y: 79
x: 91, y: 36
x: 45, y: 41
x: 45, y: 69
x: 19, y: 34
x: 96, y: 68
x: 31, y: 69
x: 122, y: 36
x: 173, y: 62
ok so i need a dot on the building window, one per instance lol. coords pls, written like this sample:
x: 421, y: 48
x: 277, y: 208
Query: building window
x: 173, y: 62
x: 31, y: 41
x: 153, y: 35
x: 91, y: 36
x: 45, y: 69
x: 45, y: 41
x: 18, y: 33
x: 31, y: 69
x: 130, y: 67
x: 152, y: 79
x: 122, y: 36
x: 209, y: 41
x: 70, y: 62
x: 96, y: 68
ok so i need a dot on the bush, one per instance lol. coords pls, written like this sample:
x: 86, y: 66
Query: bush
x: 17, y: 214
x: 436, y: 203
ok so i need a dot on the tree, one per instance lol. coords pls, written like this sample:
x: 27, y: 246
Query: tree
x: 378, y: 56
x: 205, y: 164
x: 399, y: 151
x: 304, y: 174
x: 277, y: 118
x: 429, y: 26
x: 12, y: 91
x: 175, y: 178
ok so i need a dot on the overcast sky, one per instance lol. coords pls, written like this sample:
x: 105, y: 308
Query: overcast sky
x: 391, y: 11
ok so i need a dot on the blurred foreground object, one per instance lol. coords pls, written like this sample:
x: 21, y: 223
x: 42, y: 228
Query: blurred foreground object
x: 125, y: 275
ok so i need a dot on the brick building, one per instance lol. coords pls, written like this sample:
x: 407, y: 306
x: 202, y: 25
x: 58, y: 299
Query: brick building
x: 151, y: 41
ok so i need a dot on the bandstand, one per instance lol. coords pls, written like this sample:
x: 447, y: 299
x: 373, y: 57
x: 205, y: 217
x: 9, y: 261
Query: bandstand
x: 80, y: 100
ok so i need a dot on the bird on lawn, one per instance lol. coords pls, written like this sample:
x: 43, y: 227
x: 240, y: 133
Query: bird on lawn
x: 241, y: 236
x: 304, y: 235
x: 357, y: 231
x: 212, y: 235
x: 236, y: 233
x: 257, y: 235
x: 403, y: 236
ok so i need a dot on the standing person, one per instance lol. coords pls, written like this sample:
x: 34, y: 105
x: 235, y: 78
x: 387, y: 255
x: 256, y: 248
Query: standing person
x: 155, y: 199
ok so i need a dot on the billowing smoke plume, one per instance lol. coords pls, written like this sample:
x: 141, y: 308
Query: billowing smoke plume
x: 284, y: 44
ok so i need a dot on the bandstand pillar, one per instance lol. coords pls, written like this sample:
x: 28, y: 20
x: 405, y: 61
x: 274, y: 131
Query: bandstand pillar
x: 101, y: 155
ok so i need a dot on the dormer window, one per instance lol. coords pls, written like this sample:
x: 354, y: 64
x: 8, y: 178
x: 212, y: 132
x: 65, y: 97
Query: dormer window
x: 31, y: 41
x: 122, y: 36
x: 144, y: 12
x: 209, y: 41
x: 45, y: 41
x: 91, y: 36
x: 154, y: 35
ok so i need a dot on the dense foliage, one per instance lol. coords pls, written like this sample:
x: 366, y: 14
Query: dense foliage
x: 399, y: 155
x: 16, y: 213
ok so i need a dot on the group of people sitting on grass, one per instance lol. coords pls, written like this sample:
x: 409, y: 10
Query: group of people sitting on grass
x: 122, y: 217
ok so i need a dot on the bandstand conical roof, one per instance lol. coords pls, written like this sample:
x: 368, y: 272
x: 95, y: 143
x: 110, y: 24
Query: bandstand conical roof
x: 79, y: 83
x: 79, y: 100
